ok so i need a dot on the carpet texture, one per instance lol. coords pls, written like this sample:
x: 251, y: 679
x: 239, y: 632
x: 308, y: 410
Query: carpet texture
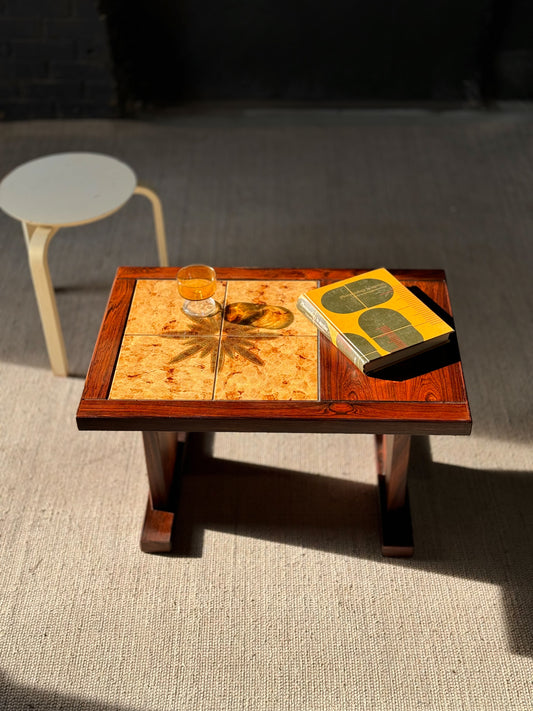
x: 277, y: 597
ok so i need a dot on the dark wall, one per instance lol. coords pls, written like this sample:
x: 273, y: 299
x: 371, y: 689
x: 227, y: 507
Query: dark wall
x: 513, y: 56
x: 70, y: 58
x: 168, y: 51
x: 55, y: 60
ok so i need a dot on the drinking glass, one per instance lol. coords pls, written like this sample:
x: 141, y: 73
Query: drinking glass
x: 196, y: 284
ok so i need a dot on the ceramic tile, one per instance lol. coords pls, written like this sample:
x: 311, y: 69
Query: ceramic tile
x: 149, y: 368
x: 282, y: 368
x: 165, y: 355
x: 156, y: 307
x: 263, y: 300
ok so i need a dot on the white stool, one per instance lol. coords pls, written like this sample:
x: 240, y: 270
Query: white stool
x: 61, y: 191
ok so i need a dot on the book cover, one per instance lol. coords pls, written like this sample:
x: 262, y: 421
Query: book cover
x: 374, y: 319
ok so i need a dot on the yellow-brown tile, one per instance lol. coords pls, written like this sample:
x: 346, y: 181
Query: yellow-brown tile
x: 274, y: 293
x: 147, y: 370
x: 269, y: 369
x: 157, y: 307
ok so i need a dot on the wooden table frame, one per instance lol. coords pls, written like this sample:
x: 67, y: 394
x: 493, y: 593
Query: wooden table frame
x: 424, y: 396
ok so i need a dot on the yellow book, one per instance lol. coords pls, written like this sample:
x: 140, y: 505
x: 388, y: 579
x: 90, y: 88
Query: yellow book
x: 374, y: 319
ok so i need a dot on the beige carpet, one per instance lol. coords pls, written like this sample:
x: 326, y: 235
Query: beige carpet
x: 277, y: 597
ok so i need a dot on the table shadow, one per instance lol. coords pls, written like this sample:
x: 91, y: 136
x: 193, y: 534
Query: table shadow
x: 467, y: 523
x: 14, y: 695
x: 294, y: 508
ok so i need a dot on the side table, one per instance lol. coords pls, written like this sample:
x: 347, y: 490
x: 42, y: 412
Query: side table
x: 156, y: 371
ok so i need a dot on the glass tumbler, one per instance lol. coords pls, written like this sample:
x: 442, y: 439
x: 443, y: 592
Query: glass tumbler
x: 196, y: 284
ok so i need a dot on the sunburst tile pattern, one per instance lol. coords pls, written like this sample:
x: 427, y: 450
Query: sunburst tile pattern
x: 145, y: 371
x: 257, y: 347
x: 288, y: 371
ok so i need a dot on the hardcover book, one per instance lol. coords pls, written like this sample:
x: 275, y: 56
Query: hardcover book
x: 373, y: 319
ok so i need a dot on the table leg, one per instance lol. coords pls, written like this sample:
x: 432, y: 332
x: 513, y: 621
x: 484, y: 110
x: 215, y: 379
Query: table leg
x: 37, y: 242
x: 393, y: 461
x: 164, y: 452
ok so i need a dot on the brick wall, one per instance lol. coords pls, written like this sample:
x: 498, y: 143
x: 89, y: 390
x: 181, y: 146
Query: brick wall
x: 55, y: 60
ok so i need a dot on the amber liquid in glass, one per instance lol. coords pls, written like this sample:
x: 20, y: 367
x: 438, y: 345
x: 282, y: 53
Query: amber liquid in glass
x: 197, y: 289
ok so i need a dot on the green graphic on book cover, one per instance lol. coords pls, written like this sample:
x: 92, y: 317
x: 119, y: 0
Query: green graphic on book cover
x: 357, y: 315
x: 357, y: 295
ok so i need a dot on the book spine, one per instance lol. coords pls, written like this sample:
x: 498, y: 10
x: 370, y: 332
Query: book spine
x: 310, y: 311
x: 350, y: 352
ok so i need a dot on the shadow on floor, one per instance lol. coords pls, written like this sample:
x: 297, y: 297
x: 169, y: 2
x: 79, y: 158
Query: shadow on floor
x: 280, y: 505
x: 467, y: 523
x: 15, y: 697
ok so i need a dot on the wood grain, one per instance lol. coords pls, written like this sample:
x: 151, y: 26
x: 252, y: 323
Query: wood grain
x: 105, y: 354
x: 392, y: 455
x: 165, y: 455
x: 425, y: 396
x: 326, y: 416
x: 160, y: 453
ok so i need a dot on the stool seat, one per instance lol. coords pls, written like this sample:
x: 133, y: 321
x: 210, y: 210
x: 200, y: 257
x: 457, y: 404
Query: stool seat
x: 63, y: 190
x: 67, y: 189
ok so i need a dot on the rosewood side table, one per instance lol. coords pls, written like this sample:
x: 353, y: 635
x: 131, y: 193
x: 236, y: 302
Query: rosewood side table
x: 260, y: 366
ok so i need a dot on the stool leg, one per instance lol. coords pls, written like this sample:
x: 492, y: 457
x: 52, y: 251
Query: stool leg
x: 37, y: 242
x: 159, y: 223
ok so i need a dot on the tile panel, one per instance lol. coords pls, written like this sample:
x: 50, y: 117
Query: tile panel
x: 269, y: 352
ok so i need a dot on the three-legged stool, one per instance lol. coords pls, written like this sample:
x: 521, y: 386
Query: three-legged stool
x: 64, y: 190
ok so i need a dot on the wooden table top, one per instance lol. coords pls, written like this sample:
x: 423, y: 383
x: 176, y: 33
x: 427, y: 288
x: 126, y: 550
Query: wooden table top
x: 153, y: 368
